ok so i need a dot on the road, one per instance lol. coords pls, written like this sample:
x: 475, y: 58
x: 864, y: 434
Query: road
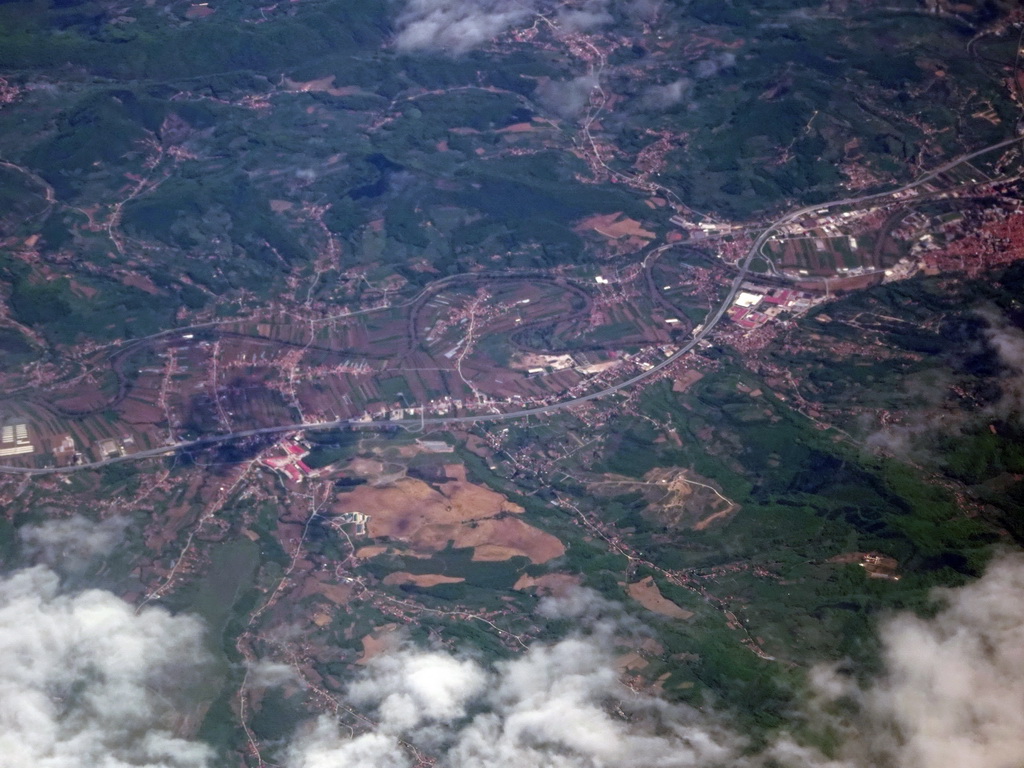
x: 712, y: 321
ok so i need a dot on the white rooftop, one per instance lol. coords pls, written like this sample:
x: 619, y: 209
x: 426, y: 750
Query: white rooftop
x: 747, y: 299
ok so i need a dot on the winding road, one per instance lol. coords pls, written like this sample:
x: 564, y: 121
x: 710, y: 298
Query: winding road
x: 709, y: 325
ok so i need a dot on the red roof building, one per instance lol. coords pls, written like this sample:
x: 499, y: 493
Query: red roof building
x: 294, y: 449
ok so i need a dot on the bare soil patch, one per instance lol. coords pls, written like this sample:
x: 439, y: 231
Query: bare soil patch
x: 420, y: 579
x: 365, y: 553
x: 508, y: 537
x: 686, y: 379
x: 549, y: 583
x: 324, y: 84
x: 84, y: 402
x: 518, y: 128
x: 457, y: 472
x: 376, y: 642
x: 339, y: 594
x: 134, y: 412
x: 365, y: 467
x: 646, y: 593
x: 700, y: 525
x: 631, y: 663
x: 461, y: 514
x: 141, y: 282
x: 611, y: 226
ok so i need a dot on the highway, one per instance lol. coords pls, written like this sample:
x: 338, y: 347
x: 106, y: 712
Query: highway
x: 709, y: 325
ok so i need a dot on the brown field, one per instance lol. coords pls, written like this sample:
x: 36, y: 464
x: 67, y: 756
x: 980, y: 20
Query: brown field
x: 631, y: 662
x: 519, y: 128
x: 639, y: 658
x: 199, y: 12
x: 611, y: 226
x: 457, y: 472
x: 700, y: 525
x: 462, y: 514
x: 325, y: 84
x: 478, y: 447
x: 338, y: 594
x: 646, y: 593
x: 408, y: 504
x: 420, y: 579
x: 686, y: 379
x: 84, y: 402
x: 364, y: 553
x: 376, y: 642
x: 136, y: 412
x: 549, y: 583
x: 365, y: 467
x: 509, y: 537
x: 141, y: 282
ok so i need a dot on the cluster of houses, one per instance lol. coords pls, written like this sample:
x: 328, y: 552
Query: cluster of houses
x: 755, y: 305
x: 291, y: 465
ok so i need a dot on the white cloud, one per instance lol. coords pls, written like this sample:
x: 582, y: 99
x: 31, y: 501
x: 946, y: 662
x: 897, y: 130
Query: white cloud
x: 581, y: 604
x: 645, y: 10
x: 668, y: 95
x: 87, y: 682
x: 584, y: 16
x: 72, y: 543
x: 567, y: 98
x: 714, y: 64
x: 267, y: 674
x: 913, y: 437
x: 951, y: 696
x: 954, y: 686
x: 457, y: 26
x: 552, y: 707
x: 322, y: 746
x: 1007, y: 341
x: 410, y: 688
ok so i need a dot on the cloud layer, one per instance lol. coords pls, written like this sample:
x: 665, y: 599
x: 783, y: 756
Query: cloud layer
x: 668, y: 95
x: 456, y: 26
x: 1007, y: 341
x: 954, y: 688
x: 557, y: 706
x: 567, y: 98
x: 72, y: 543
x: 87, y: 682
x: 913, y: 437
x: 952, y: 695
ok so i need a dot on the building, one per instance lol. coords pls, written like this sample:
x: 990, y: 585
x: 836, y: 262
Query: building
x: 291, y: 465
x: 64, y: 444
x: 747, y: 299
x: 110, y: 448
x: 358, y: 519
x: 14, y: 439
